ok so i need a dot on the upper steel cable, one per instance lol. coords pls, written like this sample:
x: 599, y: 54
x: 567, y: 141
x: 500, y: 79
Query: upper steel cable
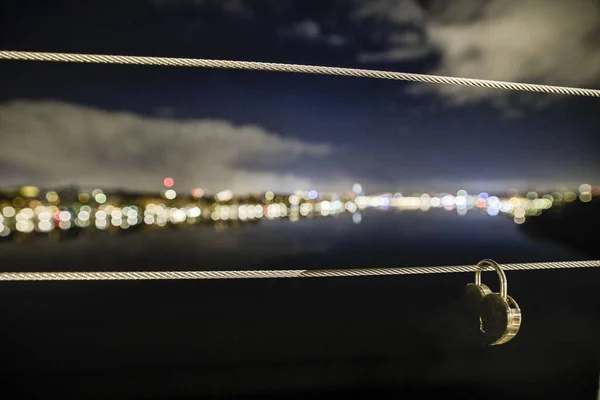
x: 307, y: 69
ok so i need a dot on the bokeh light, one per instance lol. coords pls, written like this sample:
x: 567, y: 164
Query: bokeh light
x: 570, y: 196
x: 168, y: 182
x: 531, y: 195
x: 585, y: 197
x: 225, y: 195
x: 100, y: 198
x: 197, y: 192
x: 448, y: 200
x: 519, y: 220
x: 585, y: 188
x: 52, y: 197
x: 294, y: 199
x: 558, y: 197
x: 351, y: 207
x: 170, y: 194
x: 30, y: 191
x: 65, y: 209
x: 492, y: 211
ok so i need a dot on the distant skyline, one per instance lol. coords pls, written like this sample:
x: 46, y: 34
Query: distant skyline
x: 130, y: 126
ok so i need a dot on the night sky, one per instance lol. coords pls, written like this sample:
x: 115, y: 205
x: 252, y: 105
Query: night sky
x: 130, y: 126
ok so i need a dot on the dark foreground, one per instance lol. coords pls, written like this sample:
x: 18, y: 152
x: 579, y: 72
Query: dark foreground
x: 575, y: 225
x: 375, y: 337
x: 354, y: 337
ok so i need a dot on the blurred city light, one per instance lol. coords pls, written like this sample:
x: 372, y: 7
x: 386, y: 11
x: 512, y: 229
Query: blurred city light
x: 168, y: 182
x: 569, y: 196
x: 32, y: 191
x: 585, y: 188
x: 44, y: 211
x: 531, y: 195
x: 585, y: 197
x: 197, y: 192
x: 52, y: 197
x: 225, y: 195
x: 170, y: 194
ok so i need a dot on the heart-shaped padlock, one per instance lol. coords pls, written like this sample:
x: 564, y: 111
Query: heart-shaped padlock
x: 499, y: 314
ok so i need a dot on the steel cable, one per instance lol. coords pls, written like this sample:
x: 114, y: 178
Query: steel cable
x: 279, y: 67
x: 272, y: 274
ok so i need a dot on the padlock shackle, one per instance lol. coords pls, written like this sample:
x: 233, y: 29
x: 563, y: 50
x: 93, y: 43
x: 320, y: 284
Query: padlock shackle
x: 482, y: 265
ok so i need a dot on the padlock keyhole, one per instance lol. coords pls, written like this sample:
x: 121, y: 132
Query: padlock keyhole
x: 482, y: 324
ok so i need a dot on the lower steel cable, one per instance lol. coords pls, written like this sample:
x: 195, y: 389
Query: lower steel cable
x: 273, y: 274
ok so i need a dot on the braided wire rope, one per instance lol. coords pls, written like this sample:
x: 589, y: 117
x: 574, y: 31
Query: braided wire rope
x: 279, y: 67
x: 272, y: 274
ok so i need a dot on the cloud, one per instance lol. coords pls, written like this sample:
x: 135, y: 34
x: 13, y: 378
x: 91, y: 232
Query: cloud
x: 311, y: 30
x: 53, y: 143
x: 233, y: 7
x: 308, y: 29
x: 395, y: 28
x: 535, y: 41
x: 336, y: 40
x: 397, y: 54
x: 236, y: 7
x: 396, y: 11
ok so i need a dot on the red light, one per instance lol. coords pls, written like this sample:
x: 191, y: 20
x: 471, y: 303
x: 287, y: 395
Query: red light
x: 169, y: 182
x: 197, y: 192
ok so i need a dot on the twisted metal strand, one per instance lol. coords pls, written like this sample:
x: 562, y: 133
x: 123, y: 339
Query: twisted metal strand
x: 309, y: 69
x: 272, y: 274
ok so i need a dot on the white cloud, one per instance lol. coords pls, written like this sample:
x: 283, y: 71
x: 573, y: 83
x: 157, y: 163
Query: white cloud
x: 59, y: 143
x: 236, y: 7
x: 396, y: 29
x: 336, y: 40
x: 311, y: 30
x: 530, y: 41
x: 308, y: 29
x: 537, y: 41
x: 406, y: 39
x: 396, y: 11
x: 233, y: 7
x: 395, y: 54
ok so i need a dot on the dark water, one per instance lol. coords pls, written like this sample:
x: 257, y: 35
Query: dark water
x: 371, y: 337
x: 380, y: 240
